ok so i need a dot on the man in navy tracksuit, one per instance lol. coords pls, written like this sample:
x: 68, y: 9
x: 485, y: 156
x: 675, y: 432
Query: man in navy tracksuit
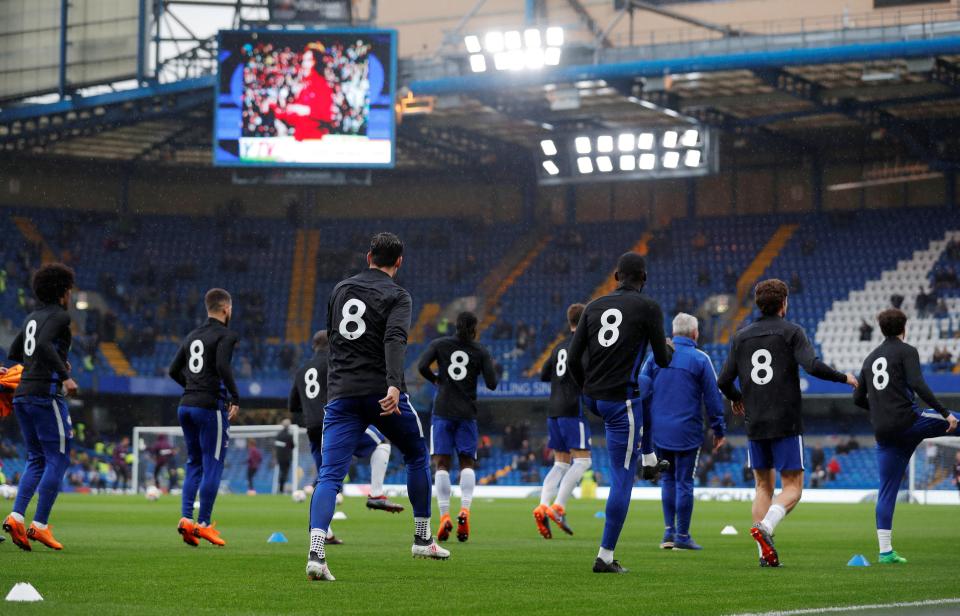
x: 679, y: 392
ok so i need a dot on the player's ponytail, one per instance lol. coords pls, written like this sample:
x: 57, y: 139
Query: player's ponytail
x: 466, y: 326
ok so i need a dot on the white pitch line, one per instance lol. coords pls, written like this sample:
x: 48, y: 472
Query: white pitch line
x: 855, y: 608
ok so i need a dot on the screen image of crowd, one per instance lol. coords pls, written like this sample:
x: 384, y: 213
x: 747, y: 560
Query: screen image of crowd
x: 308, y: 93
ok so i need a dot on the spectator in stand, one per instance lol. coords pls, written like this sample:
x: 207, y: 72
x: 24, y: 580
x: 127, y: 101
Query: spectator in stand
x: 699, y: 241
x: 922, y: 303
x: 730, y: 279
x: 941, y: 311
x: 817, y: 456
x: 833, y: 468
x: 254, y: 459
x: 703, y: 277
x: 796, y: 284
x: 121, y: 465
x: 942, y: 360
x: 896, y: 300
x: 866, y: 331
x: 819, y: 476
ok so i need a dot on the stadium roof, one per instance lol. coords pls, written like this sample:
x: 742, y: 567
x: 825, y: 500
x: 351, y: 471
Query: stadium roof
x: 791, y: 91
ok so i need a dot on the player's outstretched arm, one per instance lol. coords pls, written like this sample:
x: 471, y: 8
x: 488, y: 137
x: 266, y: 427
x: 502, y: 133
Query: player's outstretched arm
x: 578, y: 345
x: 806, y: 356
x: 662, y: 353
x: 860, y: 393
x: 728, y: 376
x: 16, y: 349
x: 175, y: 371
x: 546, y: 370
x: 294, y: 405
x: 395, y: 339
x: 225, y: 370
x: 489, y: 371
x: 712, y: 399
x: 426, y: 360
x: 914, y: 377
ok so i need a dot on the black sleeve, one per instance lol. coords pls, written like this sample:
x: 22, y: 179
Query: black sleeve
x: 176, y: 367
x: 426, y: 360
x: 293, y: 400
x: 806, y: 356
x: 489, y: 371
x: 860, y: 393
x: 47, y: 350
x: 395, y: 339
x: 546, y: 371
x: 916, y: 382
x: 224, y: 358
x: 658, y: 340
x: 576, y: 350
x: 728, y: 376
x: 16, y: 349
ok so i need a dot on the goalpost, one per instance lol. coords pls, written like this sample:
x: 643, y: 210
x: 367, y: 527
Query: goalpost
x: 235, y: 476
x: 932, y: 470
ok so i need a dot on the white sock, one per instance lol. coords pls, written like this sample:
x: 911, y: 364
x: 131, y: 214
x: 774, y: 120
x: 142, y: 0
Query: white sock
x: 468, y: 480
x: 422, y: 527
x: 551, y: 483
x: 649, y: 459
x: 605, y: 555
x: 317, y: 539
x: 330, y: 531
x: 16, y: 516
x: 441, y: 482
x: 773, y: 517
x: 379, y: 460
x: 40, y: 526
x: 572, y: 478
x: 885, y: 538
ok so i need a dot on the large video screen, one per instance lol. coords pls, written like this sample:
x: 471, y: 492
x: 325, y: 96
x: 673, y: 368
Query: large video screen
x: 310, y: 98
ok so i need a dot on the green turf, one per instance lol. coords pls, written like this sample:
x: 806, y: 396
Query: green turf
x: 123, y: 556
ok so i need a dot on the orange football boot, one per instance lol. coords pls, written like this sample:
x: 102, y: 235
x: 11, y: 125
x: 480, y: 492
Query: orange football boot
x: 543, y: 525
x: 44, y: 536
x: 463, y: 525
x: 446, y: 526
x: 559, y: 516
x: 18, y: 533
x: 210, y: 533
x: 186, y: 528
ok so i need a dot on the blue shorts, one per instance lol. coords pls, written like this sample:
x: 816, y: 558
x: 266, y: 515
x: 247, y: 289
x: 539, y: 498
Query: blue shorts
x: 44, y: 419
x: 368, y: 443
x: 450, y: 436
x: 784, y: 453
x: 568, y: 433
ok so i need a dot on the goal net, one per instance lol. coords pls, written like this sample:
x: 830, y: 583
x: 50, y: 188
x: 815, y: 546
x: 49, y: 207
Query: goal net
x: 933, y: 471
x: 161, y: 456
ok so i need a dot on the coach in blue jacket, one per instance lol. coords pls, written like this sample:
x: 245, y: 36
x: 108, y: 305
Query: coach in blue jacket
x: 679, y: 393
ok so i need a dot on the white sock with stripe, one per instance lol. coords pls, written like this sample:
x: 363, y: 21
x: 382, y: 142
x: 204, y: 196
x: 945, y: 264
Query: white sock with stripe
x: 441, y: 481
x: 468, y: 481
x: 379, y: 460
x: 885, y: 538
x: 572, y: 478
x: 774, y: 515
x: 551, y: 483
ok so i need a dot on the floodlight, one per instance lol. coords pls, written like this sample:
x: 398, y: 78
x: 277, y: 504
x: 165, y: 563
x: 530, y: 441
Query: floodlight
x: 604, y: 164
x: 549, y: 147
x: 645, y: 141
x: 478, y: 63
x: 551, y: 57
x: 671, y: 160
x: 604, y: 143
x: 533, y: 58
x: 501, y: 60
x: 582, y: 144
x: 670, y: 139
x: 493, y: 42
x: 628, y: 162
x: 472, y: 42
x: 512, y: 40
x: 551, y: 167
x: 585, y: 164
x: 647, y: 162
x: 554, y: 36
x: 531, y: 37
x: 626, y: 142
x: 692, y: 158
x: 690, y: 138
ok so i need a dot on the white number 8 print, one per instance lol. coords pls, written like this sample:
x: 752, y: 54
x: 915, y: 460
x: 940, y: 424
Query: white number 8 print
x: 762, y: 372
x: 881, y: 378
x: 561, y: 362
x: 458, y: 365
x: 312, y: 383
x: 610, y: 321
x: 196, y: 357
x: 30, y: 338
x: 352, y: 313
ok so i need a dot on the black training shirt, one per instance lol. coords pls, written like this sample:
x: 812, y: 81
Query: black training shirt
x: 368, y: 317
x: 564, y: 391
x: 766, y: 356
x: 42, y: 346
x: 308, y: 394
x: 607, y: 350
x: 460, y: 365
x: 202, y: 366
x: 890, y: 382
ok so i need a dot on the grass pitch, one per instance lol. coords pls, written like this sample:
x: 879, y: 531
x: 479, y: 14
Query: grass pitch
x: 123, y: 556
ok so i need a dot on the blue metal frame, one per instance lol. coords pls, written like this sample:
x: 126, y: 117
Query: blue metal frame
x: 320, y: 31
x: 691, y: 64
x: 62, y: 77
